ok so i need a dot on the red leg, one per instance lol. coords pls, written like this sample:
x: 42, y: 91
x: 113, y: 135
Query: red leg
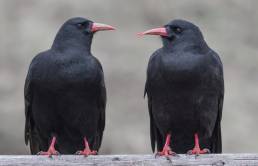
x: 166, y: 149
x: 87, y: 151
x: 197, y: 150
x: 51, y: 150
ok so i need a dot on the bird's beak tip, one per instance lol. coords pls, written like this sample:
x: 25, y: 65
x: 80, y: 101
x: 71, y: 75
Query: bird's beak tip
x: 113, y: 28
x: 140, y: 34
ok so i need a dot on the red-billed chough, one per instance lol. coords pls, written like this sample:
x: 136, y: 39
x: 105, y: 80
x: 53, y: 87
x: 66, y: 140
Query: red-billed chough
x: 65, y: 94
x: 185, y: 90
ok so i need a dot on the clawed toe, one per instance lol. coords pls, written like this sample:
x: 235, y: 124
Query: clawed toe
x: 166, y: 149
x: 198, y: 151
x: 86, y: 152
x: 166, y: 152
x: 49, y: 153
x: 207, y: 151
x: 51, y: 150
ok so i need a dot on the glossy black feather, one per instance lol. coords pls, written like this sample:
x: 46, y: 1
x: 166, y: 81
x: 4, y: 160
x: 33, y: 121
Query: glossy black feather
x: 65, y: 94
x: 185, y: 90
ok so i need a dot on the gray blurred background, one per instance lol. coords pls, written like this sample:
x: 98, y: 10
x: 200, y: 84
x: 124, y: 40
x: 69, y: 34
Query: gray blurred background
x: 230, y: 28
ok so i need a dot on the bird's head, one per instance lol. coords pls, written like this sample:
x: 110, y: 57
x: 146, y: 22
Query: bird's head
x: 78, y: 31
x: 177, y: 33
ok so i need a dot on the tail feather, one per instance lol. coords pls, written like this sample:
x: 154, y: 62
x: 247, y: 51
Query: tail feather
x: 216, y: 142
x: 34, y: 142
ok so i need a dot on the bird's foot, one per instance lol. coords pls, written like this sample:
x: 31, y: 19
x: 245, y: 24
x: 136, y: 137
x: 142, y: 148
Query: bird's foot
x: 87, y: 151
x: 166, y: 152
x: 49, y: 153
x: 197, y: 151
x: 51, y: 150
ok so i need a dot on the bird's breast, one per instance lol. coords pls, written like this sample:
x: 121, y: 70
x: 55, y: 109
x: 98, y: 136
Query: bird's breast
x: 182, y: 69
x: 70, y: 74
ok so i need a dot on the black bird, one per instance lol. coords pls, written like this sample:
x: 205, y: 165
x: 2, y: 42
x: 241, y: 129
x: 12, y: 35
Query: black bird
x: 65, y: 94
x: 185, y: 90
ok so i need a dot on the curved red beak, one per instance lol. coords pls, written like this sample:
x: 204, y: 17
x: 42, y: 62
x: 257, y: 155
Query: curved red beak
x: 156, y: 31
x: 101, y: 27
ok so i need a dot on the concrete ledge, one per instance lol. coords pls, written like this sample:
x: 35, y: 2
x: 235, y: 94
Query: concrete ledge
x: 126, y: 160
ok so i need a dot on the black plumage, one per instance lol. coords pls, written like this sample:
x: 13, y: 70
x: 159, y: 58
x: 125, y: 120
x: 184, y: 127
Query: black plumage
x: 185, y: 90
x: 65, y: 94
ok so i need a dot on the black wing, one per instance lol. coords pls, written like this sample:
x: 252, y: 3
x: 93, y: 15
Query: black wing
x: 154, y: 132
x: 102, y: 106
x: 216, y: 146
x: 216, y: 142
x: 30, y: 132
x: 155, y: 135
x: 28, y: 99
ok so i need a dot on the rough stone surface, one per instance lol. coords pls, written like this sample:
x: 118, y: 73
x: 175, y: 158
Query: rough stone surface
x: 132, y: 160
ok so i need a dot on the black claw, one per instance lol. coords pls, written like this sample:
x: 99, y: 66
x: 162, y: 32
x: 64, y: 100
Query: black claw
x: 77, y: 153
x: 169, y: 159
x: 39, y: 152
x: 196, y: 155
x: 207, y: 150
x: 189, y: 152
x: 175, y: 154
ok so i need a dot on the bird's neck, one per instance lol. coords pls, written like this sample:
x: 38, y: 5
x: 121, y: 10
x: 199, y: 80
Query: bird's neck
x: 82, y: 45
x: 183, y: 47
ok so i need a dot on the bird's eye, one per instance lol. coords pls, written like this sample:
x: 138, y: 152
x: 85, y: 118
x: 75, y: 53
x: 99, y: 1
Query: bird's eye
x: 81, y: 26
x: 177, y: 30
